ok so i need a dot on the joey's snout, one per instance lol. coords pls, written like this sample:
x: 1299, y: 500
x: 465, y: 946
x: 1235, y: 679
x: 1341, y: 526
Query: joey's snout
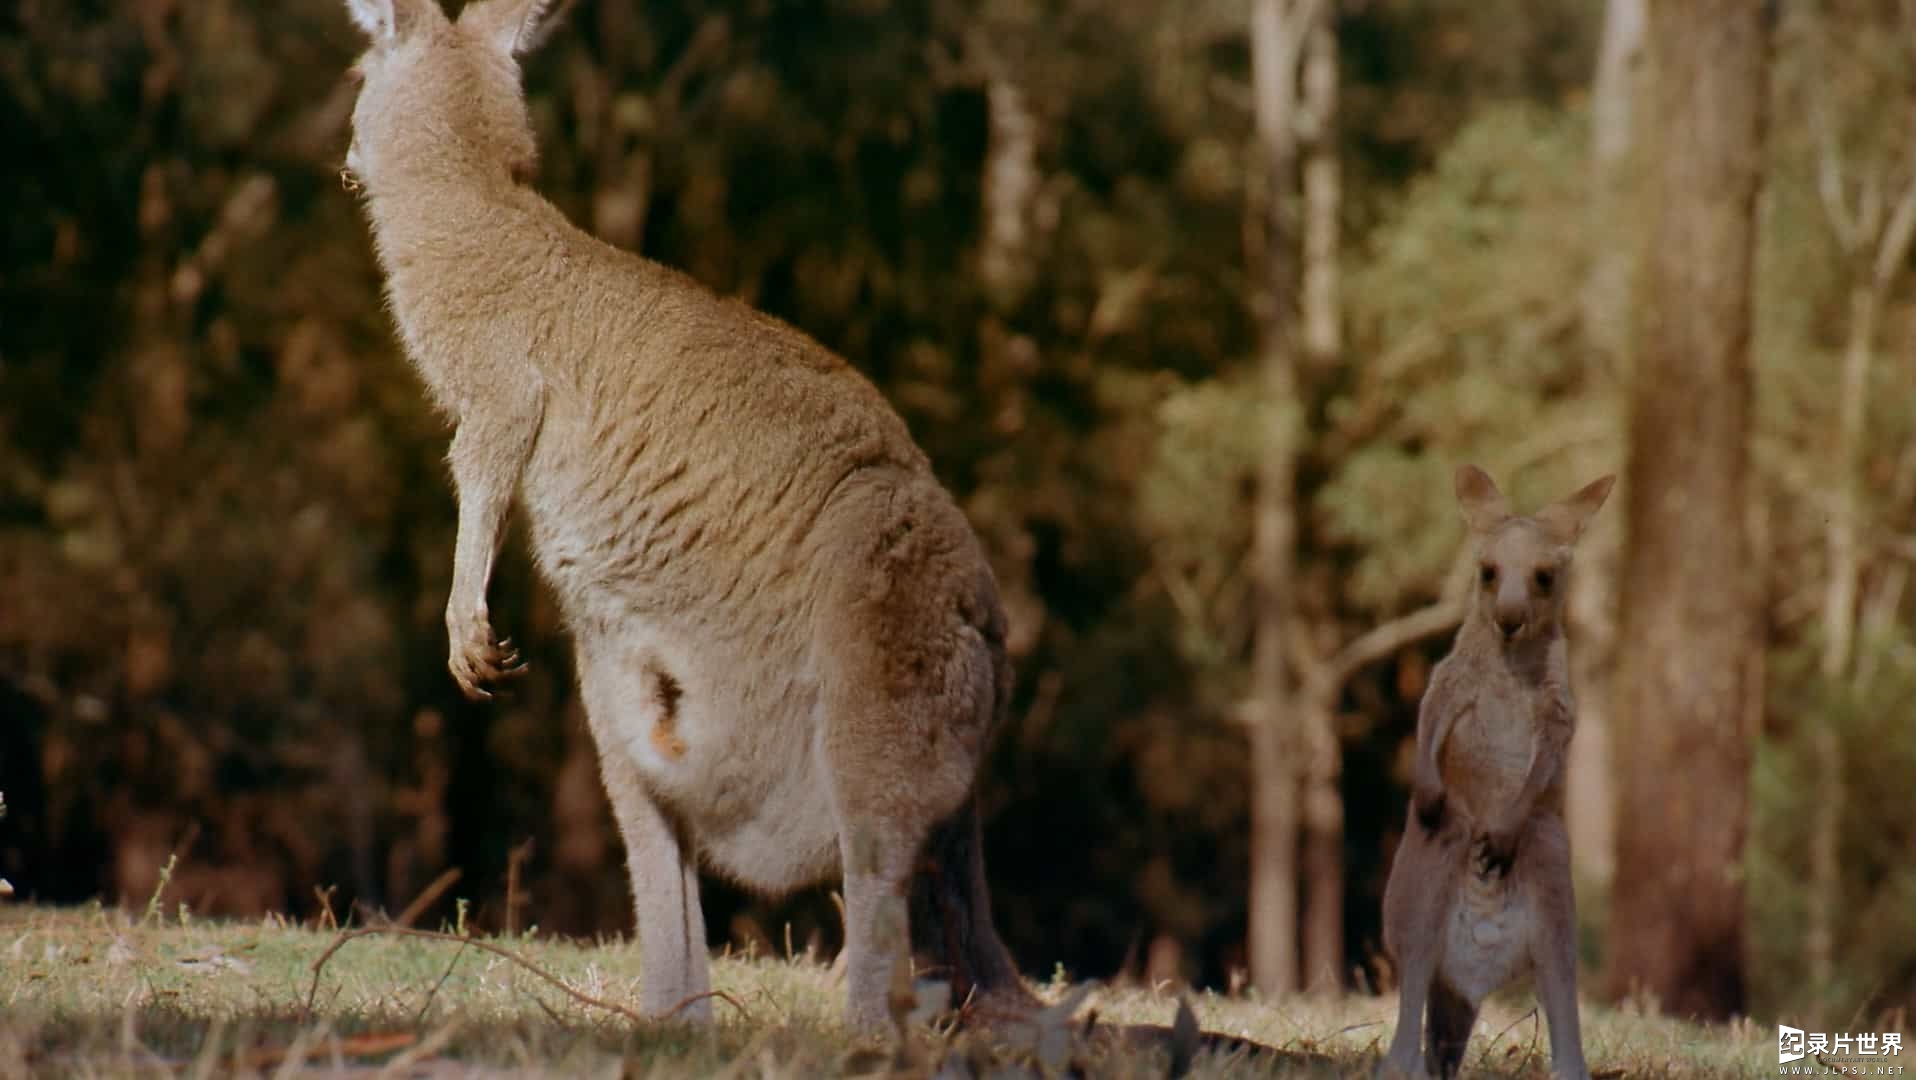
x: 1510, y: 609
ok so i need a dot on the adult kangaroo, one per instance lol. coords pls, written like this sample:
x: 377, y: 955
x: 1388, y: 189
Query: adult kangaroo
x: 789, y: 642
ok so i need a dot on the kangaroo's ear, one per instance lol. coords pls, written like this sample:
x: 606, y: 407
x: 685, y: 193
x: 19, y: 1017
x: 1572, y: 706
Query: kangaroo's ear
x: 516, y: 26
x: 1484, y: 506
x: 1565, y: 521
x: 387, y: 20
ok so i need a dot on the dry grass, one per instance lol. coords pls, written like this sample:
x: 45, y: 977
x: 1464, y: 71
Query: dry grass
x: 104, y: 994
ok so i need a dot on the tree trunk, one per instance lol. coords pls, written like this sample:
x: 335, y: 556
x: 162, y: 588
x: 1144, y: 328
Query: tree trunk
x: 1323, y: 200
x: 1616, y: 94
x: 1692, y: 632
x: 1323, y: 867
x: 1011, y: 181
x: 1839, y: 625
x: 1323, y: 799
x: 1277, y: 34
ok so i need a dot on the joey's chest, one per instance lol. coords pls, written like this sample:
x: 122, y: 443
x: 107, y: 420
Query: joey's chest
x: 1489, y: 751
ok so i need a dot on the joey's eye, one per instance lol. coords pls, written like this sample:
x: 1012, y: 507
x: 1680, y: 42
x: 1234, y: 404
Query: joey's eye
x: 1545, y: 579
x: 1488, y: 574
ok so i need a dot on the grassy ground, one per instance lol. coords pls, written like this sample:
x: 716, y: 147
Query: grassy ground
x: 102, y: 993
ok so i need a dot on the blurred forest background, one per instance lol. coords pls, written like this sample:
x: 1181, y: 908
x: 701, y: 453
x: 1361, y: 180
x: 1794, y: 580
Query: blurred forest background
x: 1194, y: 304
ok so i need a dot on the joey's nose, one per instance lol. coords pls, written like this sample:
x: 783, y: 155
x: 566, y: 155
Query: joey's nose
x: 1509, y: 624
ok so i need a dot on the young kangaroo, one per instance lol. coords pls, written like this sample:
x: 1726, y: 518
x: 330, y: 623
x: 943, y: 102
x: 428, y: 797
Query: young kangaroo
x: 1479, y: 892
x: 789, y: 642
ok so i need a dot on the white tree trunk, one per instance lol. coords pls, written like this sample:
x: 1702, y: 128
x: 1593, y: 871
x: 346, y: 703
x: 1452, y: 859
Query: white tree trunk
x: 1323, y: 801
x: 1323, y: 199
x: 1278, y: 29
x: 1839, y: 625
x: 1615, y: 96
x: 1615, y: 93
x: 1010, y: 189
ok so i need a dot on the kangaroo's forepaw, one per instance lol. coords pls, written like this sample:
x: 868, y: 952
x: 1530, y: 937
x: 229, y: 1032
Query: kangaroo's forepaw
x: 478, y: 661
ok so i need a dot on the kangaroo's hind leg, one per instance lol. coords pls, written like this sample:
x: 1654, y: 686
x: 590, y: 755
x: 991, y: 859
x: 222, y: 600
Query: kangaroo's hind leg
x: 665, y: 885
x: 902, y: 767
x: 909, y: 655
x: 1543, y: 872
x: 897, y: 772
x: 1451, y: 1018
x: 1417, y: 898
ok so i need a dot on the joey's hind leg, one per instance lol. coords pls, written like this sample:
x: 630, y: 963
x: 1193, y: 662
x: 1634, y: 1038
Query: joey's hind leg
x: 1543, y: 872
x: 1416, y: 899
x: 674, y: 966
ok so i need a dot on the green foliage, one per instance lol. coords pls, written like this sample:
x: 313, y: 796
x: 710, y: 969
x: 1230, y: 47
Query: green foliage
x: 1464, y: 313
x: 1874, y: 955
x: 1394, y: 507
x: 1194, y: 502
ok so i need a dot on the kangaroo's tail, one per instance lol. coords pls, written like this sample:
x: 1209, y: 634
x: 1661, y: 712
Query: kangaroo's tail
x: 953, y: 936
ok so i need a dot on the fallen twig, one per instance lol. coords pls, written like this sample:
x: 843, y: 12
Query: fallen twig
x: 718, y: 994
x: 428, y: 897
x: 1492, y: 1044
x: 434, y: 992
x: 319, y: 967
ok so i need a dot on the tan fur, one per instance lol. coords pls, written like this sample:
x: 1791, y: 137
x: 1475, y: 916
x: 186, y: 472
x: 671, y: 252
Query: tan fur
x: 789, y: 641
x: 1479, y: 892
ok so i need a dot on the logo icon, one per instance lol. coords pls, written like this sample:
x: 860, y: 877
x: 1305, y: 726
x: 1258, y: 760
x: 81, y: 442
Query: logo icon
x: 1789, y: 1044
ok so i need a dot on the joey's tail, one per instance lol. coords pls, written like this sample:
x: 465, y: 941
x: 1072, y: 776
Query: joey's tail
x: 953, y: 936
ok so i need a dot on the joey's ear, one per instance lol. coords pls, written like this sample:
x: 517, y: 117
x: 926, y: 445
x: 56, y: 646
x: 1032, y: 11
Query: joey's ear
x: 516, y: 26
x: 1566, y: 520
x: 386, y: 20
x: 1484, y: 506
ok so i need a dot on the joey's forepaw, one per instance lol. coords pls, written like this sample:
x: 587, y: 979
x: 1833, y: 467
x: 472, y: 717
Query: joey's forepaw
x: 1498, y: 847
x: 478, y: 662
